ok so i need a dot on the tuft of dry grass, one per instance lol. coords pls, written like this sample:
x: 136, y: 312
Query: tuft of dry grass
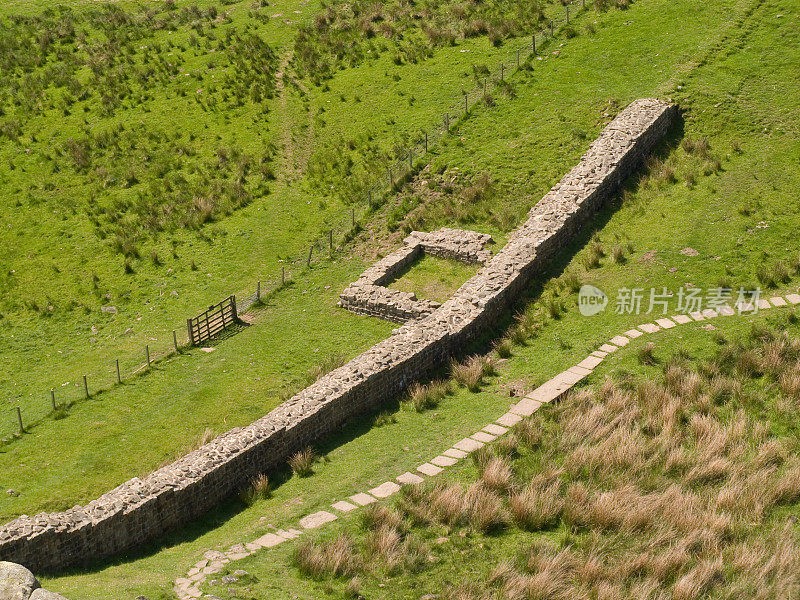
x: 425, y: 397
x: 645, y: 355
x: 337, y: 558
x: 302, y: 462
x: 538, y: 506
x: 471, y: 372
x: 497, y: 475
x: 259, y: 489
x: 504, y: 348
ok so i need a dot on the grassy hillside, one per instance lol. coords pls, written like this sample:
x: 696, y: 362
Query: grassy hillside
x: 723, y: 187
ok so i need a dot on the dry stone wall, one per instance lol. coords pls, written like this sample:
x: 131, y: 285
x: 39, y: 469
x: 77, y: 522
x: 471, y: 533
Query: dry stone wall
x: 142, y: 509
x: 368, y: 295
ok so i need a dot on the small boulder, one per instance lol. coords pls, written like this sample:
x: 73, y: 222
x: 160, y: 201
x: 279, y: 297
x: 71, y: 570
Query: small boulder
x: 16, y: 582
x: 42, y: 594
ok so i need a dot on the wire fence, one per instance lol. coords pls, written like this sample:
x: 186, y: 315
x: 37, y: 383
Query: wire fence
x: 57, y: 401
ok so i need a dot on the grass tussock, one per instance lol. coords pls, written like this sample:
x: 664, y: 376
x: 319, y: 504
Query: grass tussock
x: 471, y: 373
x: 424, y: 397
x: 302, y: 462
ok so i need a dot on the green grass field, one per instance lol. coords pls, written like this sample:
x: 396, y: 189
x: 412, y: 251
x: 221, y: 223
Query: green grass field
x: 733, y: 201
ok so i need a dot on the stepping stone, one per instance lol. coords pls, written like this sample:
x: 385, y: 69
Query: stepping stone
x: 573, y: 375
x: 649, y: 327
x: 362, y: 499
x: 444, y: 461
x: 726, y: 311
x: 215, y: 567
x: 665, y: 323
x: 410, y: 479
x: 455, y: 452
x: 633, y: 333
x: 710, y: 313
x: 429, y: 469
x: 526, y: 407
x: 793, y: 298
x: 697, y: 316
x: 778, y: 301
x: 609, y: 348
x: 269, y: 540
x: 317, y: 519
x: 495, y: 429
x: 509, y: 419
x: 467, y: 445
x: 620, y: 340
x: 579, y: 370
x: 743, y: 307
x: 763, y: 303
x: 590, y: 362
x: 385, y: 490
x: 681, y: 319
x: 252, y: 547
x: 343, y: 506
x: 239, y: 555
x: 482, y: 436
x: 192, y: 571
x: 549, y: 391
x: 599, y: 354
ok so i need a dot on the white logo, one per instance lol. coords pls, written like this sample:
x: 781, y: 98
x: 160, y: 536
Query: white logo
x: 591, y: 300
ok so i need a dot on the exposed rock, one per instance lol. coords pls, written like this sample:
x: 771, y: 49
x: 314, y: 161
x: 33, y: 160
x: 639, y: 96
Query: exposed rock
x: 16, y: 582
x: 42, y: 594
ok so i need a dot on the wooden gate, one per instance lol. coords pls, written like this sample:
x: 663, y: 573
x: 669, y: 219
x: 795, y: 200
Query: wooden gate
x: 211, y: 322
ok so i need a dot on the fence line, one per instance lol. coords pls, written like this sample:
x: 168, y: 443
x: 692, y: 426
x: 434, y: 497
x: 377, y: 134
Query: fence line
x: 335, y: 236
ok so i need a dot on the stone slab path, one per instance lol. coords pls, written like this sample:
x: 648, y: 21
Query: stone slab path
x: 213, y: 562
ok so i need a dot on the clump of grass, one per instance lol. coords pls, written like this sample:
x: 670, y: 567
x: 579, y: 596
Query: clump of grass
x: 555, y: 308
x: 618, y: 255
x: 471, y: 372
x: 425, y: 397
x: 497, y: 475
x: 572, y: 282
x: 384, y: 418
x: 645, y: 355
x: 336, y: 558
x: 539, y: 506
x: 593, y: 256
x: 504, y: 348
x: 302, y: 462
x: 258, y: 489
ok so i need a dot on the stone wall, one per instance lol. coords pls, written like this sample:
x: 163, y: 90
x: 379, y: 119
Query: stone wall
x: 368, y: 295
x: 142, y: 509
